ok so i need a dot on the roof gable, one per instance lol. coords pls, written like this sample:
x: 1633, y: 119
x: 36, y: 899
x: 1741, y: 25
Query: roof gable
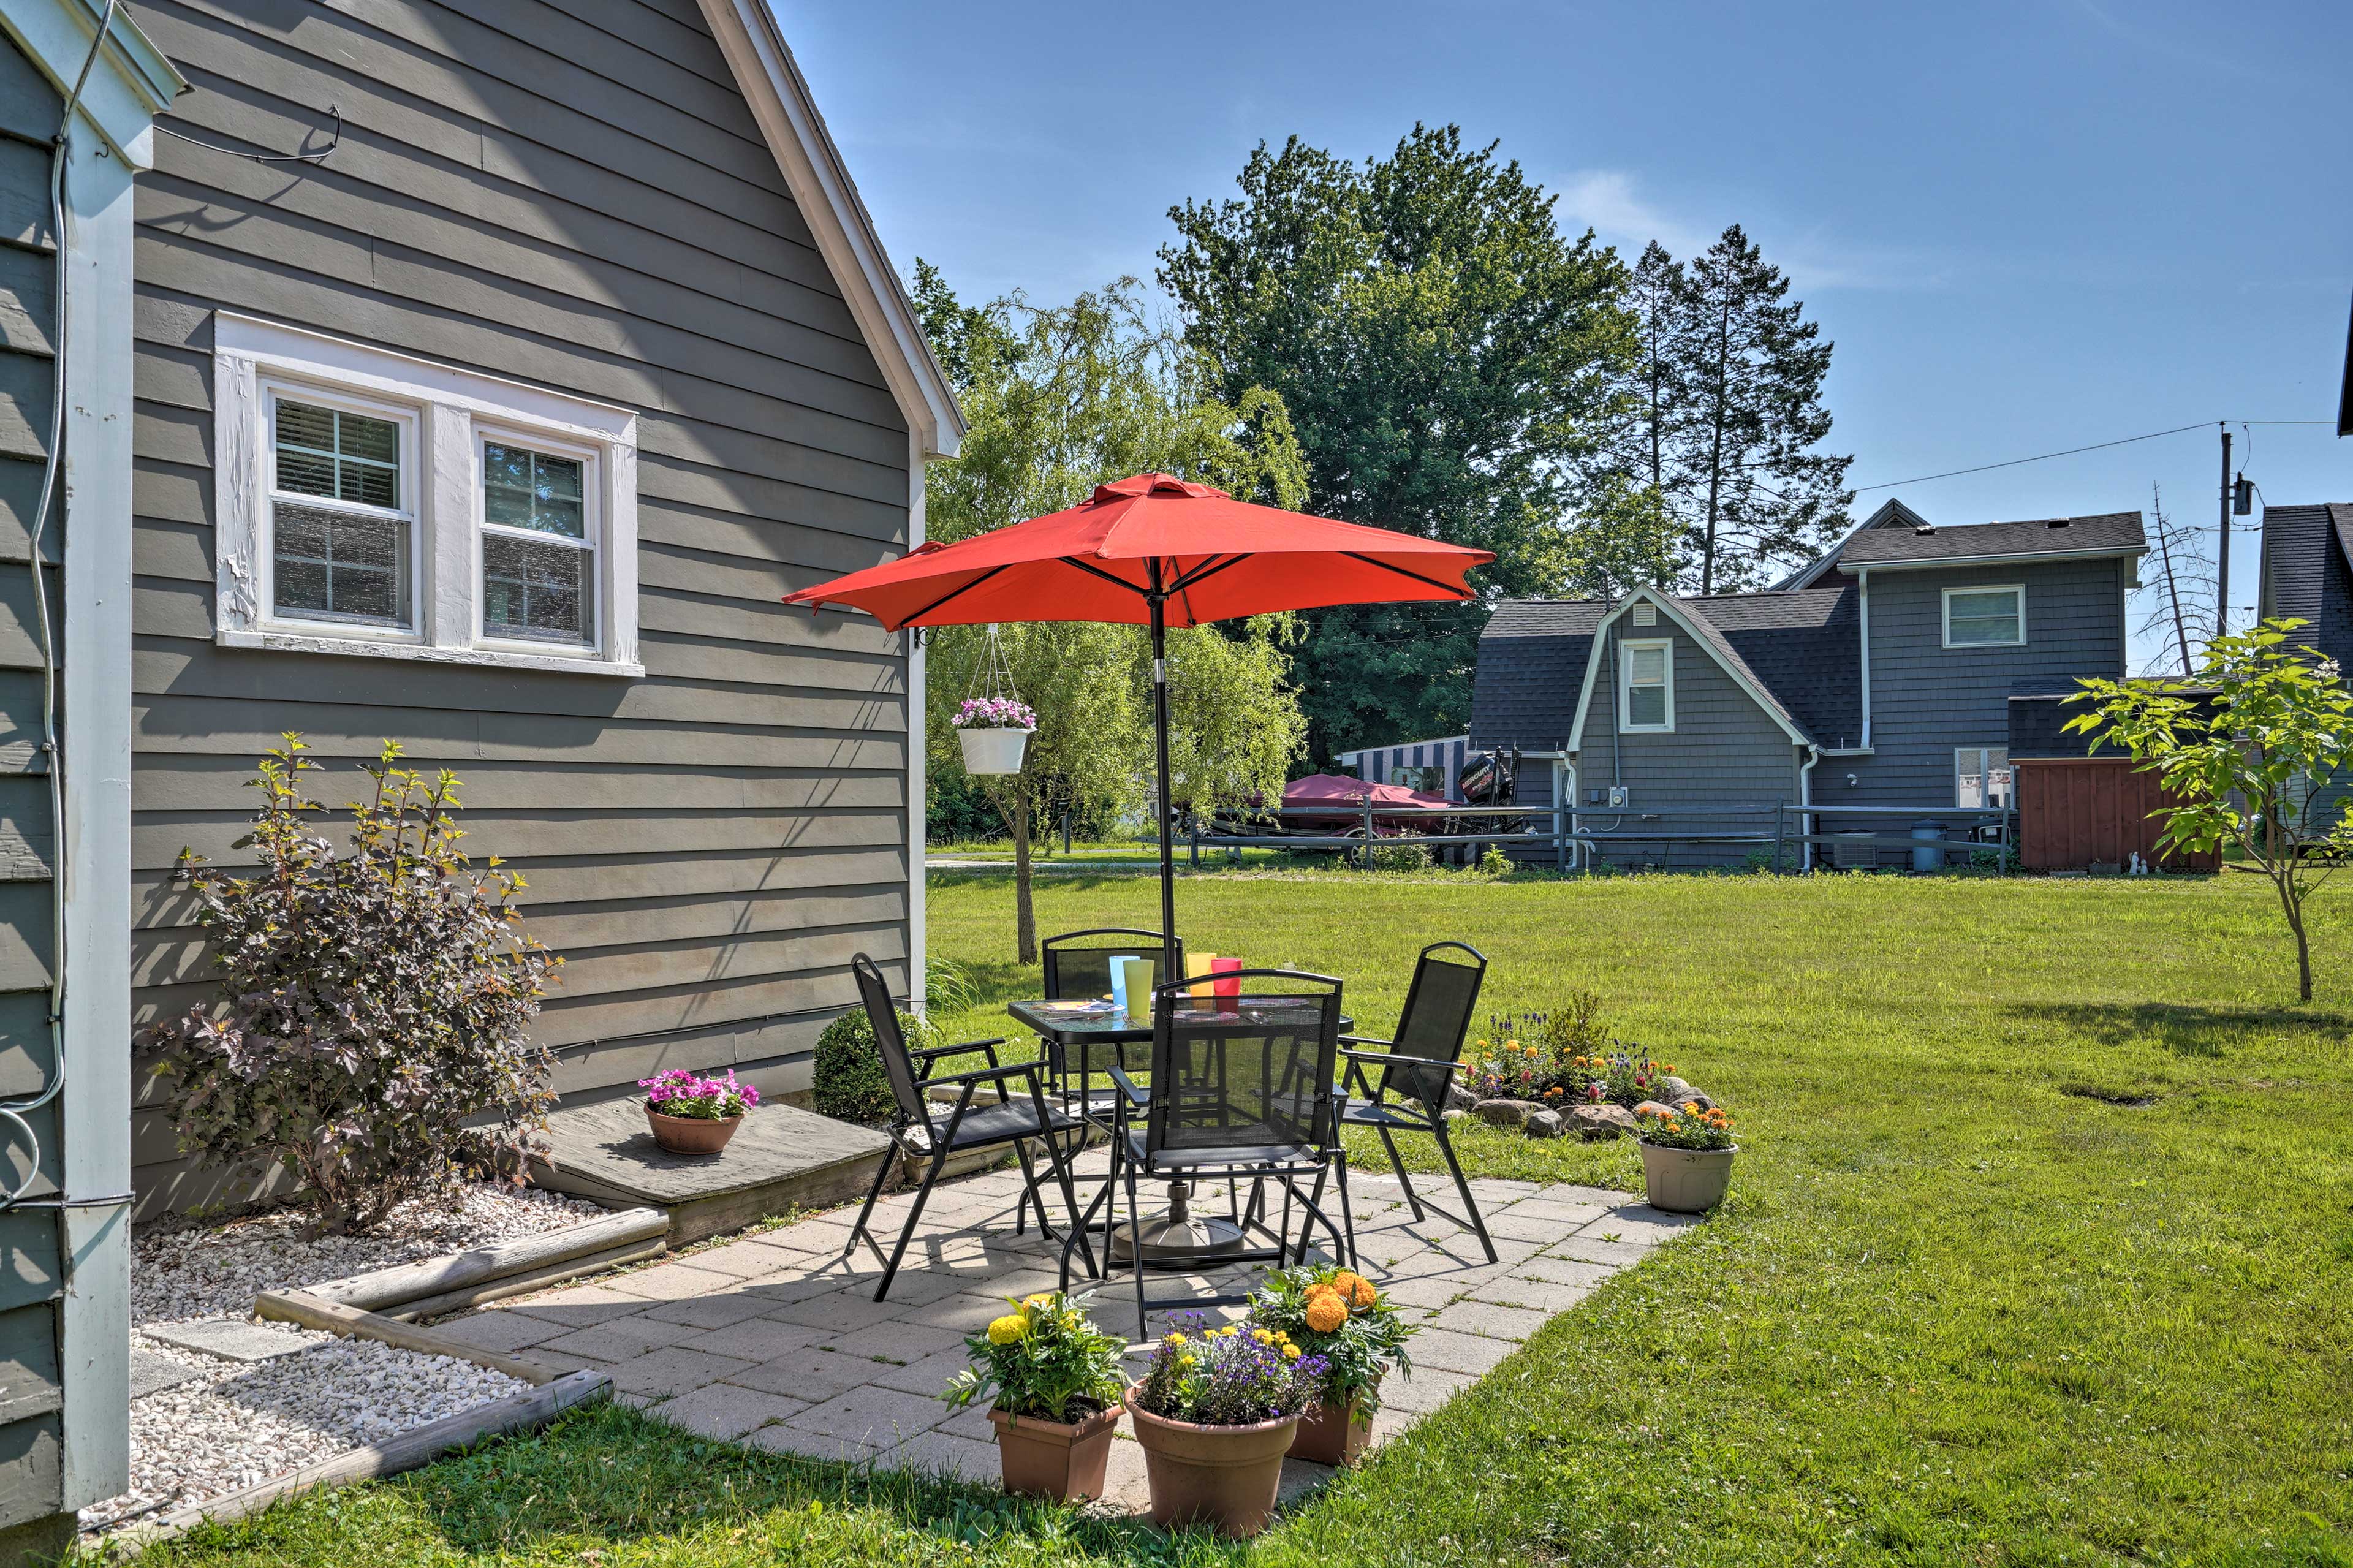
x: 1892, y: 513
x: 1710, y: 640
x: 779, y: 99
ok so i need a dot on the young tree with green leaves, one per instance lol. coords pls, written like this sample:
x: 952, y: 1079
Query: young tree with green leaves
x: 2250, y: 750
x: 1058, y: 401
x: 1452, y: 362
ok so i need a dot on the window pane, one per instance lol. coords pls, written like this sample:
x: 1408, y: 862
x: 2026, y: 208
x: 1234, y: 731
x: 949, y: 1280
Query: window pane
x: 1981, y: 778
x: 326, y: 452
x: 524, y: 489
x: 1647, y: 705
x: 330, y: 565
x: 1990, y: 617
x: 540, y: 591
x: 1649, y: 665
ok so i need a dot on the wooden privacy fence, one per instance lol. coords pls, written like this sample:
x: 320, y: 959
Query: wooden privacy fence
x: 2078, y: 812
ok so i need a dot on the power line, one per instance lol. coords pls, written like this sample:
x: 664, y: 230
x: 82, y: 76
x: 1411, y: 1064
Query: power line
x: 2095, y: 446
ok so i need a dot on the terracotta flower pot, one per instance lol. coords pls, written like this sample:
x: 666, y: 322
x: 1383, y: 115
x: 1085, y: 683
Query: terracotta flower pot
x: 1052, y: 1459
x: 1334, y: 1434
x: 691, y: 1134
x: 1686, y: 1181
x: 1223, y: 1476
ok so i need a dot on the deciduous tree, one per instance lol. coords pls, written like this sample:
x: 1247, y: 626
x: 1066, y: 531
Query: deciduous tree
x: 2250, y: 753
x: 1452, y: 362
x: 1059, y: 400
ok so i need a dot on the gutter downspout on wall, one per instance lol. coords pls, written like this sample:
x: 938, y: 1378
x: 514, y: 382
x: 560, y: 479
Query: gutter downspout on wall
x: 1806, y: 800
x: 1864, y: 616
x: 918, y: 818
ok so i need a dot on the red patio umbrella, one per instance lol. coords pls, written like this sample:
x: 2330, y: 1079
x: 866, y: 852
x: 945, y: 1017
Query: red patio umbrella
x: 1155, y: 550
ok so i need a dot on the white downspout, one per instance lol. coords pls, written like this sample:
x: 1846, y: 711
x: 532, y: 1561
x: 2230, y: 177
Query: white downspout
x: 1864, y: 616
x: 916, y: 816
x: 1806, y: 801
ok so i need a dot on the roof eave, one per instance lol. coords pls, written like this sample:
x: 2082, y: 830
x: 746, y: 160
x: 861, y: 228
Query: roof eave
x: 2021, y: 558
x: 121, y: 101
x: 779, y: 98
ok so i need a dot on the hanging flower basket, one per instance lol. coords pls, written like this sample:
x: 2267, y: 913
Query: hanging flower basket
x: 994, y: 732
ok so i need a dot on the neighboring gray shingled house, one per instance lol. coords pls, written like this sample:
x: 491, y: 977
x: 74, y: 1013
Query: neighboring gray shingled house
x: 1878, y: 675
x: 2306, y: 575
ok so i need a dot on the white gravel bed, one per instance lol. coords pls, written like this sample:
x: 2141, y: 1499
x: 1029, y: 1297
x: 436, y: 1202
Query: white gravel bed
x: 212, y: 1271
x: 244, y: 1425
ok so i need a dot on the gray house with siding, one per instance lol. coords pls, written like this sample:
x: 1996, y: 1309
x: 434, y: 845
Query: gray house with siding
x: 497, y: 427
x: 1879, y: 675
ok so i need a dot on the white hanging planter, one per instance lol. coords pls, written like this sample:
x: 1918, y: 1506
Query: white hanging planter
x: 993, y: 751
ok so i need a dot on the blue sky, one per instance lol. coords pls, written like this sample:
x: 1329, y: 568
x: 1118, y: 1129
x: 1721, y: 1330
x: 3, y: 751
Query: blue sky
x: 2026, y: 227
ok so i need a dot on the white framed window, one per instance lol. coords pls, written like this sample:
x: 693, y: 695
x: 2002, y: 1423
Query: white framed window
x: 1981, y: 777
x: 1646, y: 686
x: 1986, y: 618
x: 377, y: 504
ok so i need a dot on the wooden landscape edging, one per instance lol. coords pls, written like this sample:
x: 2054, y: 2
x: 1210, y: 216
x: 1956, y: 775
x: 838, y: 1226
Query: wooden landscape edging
x: 552, y: 1393
x: 435, y: 1286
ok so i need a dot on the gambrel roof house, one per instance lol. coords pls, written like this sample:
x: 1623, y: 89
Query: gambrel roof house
x: 1878, y: 675
x: 476, y: 375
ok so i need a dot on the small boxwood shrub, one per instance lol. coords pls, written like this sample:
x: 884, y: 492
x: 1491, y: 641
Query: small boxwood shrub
x: 373, y: 1030
x: 1405, y: 852
x: 850, y: 1084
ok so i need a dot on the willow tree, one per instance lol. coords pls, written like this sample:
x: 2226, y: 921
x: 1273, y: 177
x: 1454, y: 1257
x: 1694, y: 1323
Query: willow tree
x: 1059, y: 400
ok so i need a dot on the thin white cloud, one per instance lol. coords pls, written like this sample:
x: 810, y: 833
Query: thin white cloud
x: 1605, y: 201
x: 1611, y: 204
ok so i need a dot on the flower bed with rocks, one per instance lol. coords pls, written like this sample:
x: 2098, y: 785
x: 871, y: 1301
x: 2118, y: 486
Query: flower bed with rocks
x: 221, y: 1401
x: 1558, y: 1073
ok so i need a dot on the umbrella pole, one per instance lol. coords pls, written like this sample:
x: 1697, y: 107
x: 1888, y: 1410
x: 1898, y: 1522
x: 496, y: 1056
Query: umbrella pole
x: 1169, y: 965
x: 1180, y: 1238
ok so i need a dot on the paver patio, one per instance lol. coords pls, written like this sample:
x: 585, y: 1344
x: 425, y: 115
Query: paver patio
x: 775, y: 1340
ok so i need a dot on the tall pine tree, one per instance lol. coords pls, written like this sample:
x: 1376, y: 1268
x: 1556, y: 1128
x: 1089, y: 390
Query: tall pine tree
x: 1757, y: 493
x: 1453, y: 364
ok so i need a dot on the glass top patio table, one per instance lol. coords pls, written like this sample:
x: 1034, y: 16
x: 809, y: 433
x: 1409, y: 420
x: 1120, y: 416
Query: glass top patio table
x: 1179, y: 1237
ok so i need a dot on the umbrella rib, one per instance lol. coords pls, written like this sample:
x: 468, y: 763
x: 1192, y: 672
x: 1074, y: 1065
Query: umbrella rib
x: 1106, y: 576
x: 951, y: 594
x: 1205, y: 570
x: 1373, y: 561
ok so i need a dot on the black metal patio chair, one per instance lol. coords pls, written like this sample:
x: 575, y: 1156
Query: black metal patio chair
x: 1076, y: 966
x: 1241, y: 1089
x: 924, y: 1133
x: 1416, y: 1069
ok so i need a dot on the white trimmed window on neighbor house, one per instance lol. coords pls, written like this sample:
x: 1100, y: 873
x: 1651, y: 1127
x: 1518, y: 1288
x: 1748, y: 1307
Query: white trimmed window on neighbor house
x: 1646, y: 696
x: 1985, y: 617
x: 376, y: 504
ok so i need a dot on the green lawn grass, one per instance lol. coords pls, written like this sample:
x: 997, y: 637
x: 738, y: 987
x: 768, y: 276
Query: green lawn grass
x: 1966, y: 1305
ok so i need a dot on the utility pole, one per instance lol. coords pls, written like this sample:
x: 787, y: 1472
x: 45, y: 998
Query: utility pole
x: 2222, y: 556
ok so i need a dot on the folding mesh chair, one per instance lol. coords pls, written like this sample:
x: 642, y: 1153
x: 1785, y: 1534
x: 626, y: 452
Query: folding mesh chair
x: 924, y: 1134
x: 1241, y: 1089
x: 1077, y: 967
x: 1416, y: 1068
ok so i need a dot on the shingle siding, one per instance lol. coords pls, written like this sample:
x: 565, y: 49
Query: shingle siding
x: 574, y: 196
x: 31, y: 1480
x: 1927, y: 700
x: 1724, y: 750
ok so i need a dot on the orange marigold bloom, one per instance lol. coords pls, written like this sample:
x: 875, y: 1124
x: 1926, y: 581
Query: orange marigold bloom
x: 1326, y: 1311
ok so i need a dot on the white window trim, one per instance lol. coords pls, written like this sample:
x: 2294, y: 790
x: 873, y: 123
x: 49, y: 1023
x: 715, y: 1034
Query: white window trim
x: 449, y: 407
x: 1626, y: 685
x: 1972, y: 753
x: 2019, y: 589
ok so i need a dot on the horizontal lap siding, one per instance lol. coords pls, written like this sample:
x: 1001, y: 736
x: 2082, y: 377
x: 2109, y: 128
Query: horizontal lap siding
x: 1927, y: 700
x: 1725, y: 752
x: 568, y: 193
x: 31, y: 1481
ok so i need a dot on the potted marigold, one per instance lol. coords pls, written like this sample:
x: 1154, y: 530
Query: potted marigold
x: 1687, y: 1156
x: 694, y: 1115
x: 1215, y: 1412
x: 993, y: 733
x: 1057, y: 1380
x: 1343, y: 1320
